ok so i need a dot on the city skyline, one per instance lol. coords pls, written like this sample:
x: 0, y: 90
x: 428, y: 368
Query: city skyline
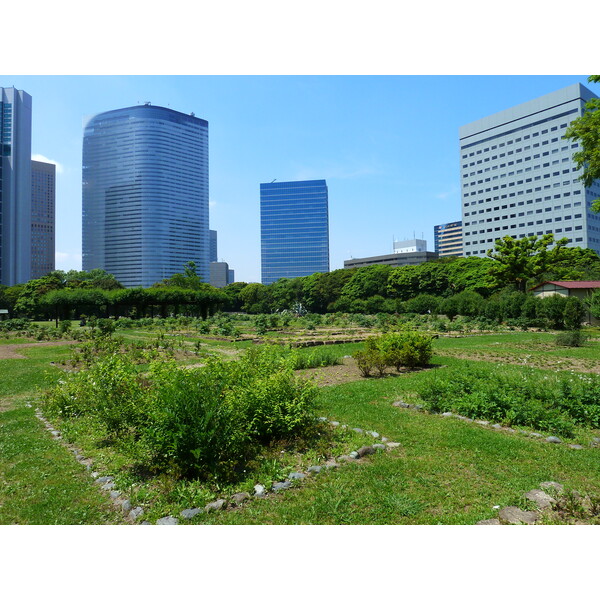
x: 387, y: 146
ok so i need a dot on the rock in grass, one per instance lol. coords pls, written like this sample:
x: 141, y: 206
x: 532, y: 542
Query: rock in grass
x: 168, y: 521
x: 553, y: 439
x: 497, y: 426
x: 296, y: 475
x: 447, y: 414
x: 314, y: 469
x: 535, y: 434
x: 281, y: 485
x: 216, y: 505
x: 126, y: 506
x: 353, y: 454
x: 379, y: 446
x: 108, y: 486
x: 357, y: 429
x: 401, y: 404
x: 115, y: 494
x: 335, y: 423
x: 259, y: 491
x: 240, y: 498
x: 105, y: 479
x: 365, y: 450
x: 541, y: 499
x: 344, y: 458
x: 512, y: 515
x: 373, y: 434
x: 552, y: 485
x: 190, y: 513
x: 393, y: 444
x: 489, y: 522
x: 482, y: 422
x: 576, y: 446
x: 136, y: 512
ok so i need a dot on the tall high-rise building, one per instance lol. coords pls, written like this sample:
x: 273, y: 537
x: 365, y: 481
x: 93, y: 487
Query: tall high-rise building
x: 15, y: 186
x: 145, y: 194
x: 519, y: 179
x: 448, y: 239
x: 43, y: 198
x: 294, y: 225
x: 213, y: 246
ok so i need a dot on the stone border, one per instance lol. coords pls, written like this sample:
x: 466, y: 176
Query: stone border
x: 133, y: 514
x: 550, y: 439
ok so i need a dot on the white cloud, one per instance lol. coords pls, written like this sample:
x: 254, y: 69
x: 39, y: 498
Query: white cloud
x: 67, y: 261
x: 42, y: 158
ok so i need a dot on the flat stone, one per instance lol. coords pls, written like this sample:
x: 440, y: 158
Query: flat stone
x: 373, y: 434
x: 322, y: 419
x: 384, y: 439
x: 145, y: 523
x: 105, y: 479
x: 136, y: 512
x: 335, y: 423
x: 419, y: 407
x: 331, y: 464
x: 497, y: 426
x: 216, y: 505
x: 314, y: 469
x: 393, y: 444
x: 489, y: 522
x: 576, y: 446
x: 168, y: 521
x: 462, y: 418
x: 240, y: 498
x: 259, y: 490
x: 401, y: 404
x: 365, y: 450
x: 447, y: 414
x: 108, y: 486
x: 509, y: 430
x: 344, y: 458
x: 482, y: 422
x: 552, y: 485
x: 115, y: 494
x: 357, y: 429
x: 126, y: 506
x: 95, y: 474
x: 296, y: 475
x: 535, y: 435
x: 281, y: 485
x: 596, y: 440
x: 354, y: 454
x: 79, y: 457
x: 541, y: 499
x: 379, y: 446
x: 515, y: 516
x: 190, y: 513
x: 553, y: 439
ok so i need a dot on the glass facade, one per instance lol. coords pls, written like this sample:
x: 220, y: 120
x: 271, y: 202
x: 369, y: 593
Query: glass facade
x: 294, y: 224
x: 145, y: 194
x: 15, y: 186
x: 448, y: 239
x: 43, y: 196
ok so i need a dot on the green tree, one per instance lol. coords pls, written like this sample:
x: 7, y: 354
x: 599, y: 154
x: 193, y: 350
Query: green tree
x: 517, y: 261
x: 574, y: 313
x: 586, y: 130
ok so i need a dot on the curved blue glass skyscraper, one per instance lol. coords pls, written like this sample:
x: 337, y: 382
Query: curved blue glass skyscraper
x: 145, y: 194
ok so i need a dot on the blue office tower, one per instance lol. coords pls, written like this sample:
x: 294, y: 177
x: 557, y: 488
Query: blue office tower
x: 145, y: 194
x: 294, y: 224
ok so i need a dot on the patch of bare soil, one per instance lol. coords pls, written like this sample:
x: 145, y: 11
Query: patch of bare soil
x: 545, y: 362
x: 9, y: 350
x: 345, y: 373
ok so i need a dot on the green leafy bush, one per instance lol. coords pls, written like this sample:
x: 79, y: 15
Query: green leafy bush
x: 573, y: 338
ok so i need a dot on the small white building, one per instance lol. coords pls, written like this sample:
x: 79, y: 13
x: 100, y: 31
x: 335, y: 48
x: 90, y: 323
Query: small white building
x: 410, y: 246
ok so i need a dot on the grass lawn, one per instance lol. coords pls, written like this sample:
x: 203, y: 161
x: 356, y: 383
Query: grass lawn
x: 445, y: 471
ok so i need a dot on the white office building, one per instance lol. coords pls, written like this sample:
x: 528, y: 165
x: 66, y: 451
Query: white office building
x: 518, y: 177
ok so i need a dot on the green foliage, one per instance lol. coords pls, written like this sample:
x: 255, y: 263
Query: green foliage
x: 202, y: 422
x: 423, y: 304
x: 408, y: 349
x: 556, y: 403
x: 586, y: 130
x: 516, y: 261
x: 574, y: 313
x: 553, y: 309
x: 574, y: 338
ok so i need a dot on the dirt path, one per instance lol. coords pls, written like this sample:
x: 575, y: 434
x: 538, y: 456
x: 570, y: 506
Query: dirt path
x: 9, y: 350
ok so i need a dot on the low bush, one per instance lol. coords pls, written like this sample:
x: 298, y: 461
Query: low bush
x: 573, y: 338
x: 398, y: 349
x: 556, y: 403
x: 204, y: 422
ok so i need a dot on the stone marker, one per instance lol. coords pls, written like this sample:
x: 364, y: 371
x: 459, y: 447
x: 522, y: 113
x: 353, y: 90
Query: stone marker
x: 216, y: 505
x: 552, y: 485
x: 365, y: 450
x: 259, y: 491
x: 190, y: 513
x: 513, y: 515
x: 553, y: 439
x: 541, y: 499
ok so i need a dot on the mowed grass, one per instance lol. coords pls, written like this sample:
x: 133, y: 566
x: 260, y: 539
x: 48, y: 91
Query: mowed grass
x: 445, y: 471
x: 40, y: 481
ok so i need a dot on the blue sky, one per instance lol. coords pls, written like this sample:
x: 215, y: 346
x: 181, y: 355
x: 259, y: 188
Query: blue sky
x: 387, y: 146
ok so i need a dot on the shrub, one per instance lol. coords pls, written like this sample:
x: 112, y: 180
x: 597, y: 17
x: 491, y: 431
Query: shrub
x: 574, y: 313
x: 573, y: 338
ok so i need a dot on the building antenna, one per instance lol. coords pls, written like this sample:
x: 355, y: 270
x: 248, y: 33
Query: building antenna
x: 274, y: 180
